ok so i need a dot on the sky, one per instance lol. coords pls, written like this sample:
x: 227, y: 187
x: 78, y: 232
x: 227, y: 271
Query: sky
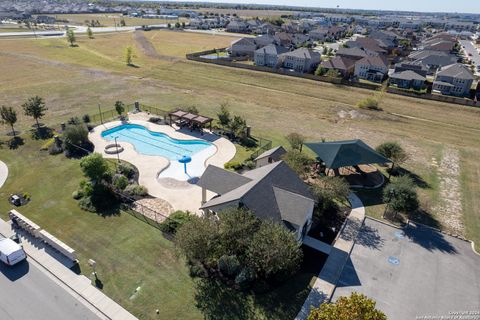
x: 464, y: 6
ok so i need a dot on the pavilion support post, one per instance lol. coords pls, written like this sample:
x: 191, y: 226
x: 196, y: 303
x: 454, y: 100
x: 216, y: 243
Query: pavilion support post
x: 204, y: 196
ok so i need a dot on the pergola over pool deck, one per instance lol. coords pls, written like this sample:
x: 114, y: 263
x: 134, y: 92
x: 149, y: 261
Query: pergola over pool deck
x: 349, y: 153
x: 191, y: 118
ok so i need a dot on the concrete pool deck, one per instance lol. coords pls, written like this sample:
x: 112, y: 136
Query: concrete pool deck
x: 188, y: 196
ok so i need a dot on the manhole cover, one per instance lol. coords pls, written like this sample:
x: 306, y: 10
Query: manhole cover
x: 393, y: 260
x: 400, y: 234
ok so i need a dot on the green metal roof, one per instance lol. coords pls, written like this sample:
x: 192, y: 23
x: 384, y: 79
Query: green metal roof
x: 348, y: 153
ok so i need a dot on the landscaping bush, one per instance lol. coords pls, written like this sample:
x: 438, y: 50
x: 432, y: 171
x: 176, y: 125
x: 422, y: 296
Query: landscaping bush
x: 247, y: 142
x: 393, y: 151
x: 197, y: 270
x: 136, y: 190
x: 126, y: 169
x: 55, y: 147
x: 245, y: 278
x: 298, y: 161
x: 75, y: 141
x: 86, y: 204
x: 120, y: 182
x: 74, y: 121
x: 175, y: 221
x: 250, y: 164
x: 229, y: 265
x: 233, y: 165
x: 369, y: 104
x: 86, y: 118
x: 400, y: 195
x: 77, y: 195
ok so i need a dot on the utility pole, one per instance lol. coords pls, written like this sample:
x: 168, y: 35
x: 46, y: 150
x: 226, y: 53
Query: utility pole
x: 100, y: 113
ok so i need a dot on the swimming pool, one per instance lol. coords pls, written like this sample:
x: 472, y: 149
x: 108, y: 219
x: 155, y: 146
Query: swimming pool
x: 152, y: 143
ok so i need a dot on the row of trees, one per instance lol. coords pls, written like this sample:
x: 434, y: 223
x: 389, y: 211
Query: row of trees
x: 34, y: 107
x: 236, y: 124
x: 238, y: 248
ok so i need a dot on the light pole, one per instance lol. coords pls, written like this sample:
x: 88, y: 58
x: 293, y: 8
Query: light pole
x: 116, y: 148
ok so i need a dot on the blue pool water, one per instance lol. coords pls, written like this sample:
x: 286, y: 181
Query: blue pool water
x: 154, y: 143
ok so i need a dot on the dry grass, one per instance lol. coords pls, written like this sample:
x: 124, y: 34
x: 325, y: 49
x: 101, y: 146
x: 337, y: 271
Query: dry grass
x: 75, y: 80
x: 109, y: 20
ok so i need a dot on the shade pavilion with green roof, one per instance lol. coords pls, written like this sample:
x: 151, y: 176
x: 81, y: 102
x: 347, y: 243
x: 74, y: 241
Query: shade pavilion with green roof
x: 348, y: 153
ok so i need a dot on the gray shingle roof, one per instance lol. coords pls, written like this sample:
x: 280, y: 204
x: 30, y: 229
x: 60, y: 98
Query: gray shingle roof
x: 277, y: 151
x: 408, y: 75
x: 221, y: 181
x: 275, y: 192
x: 456, y: 70
x: 272, y: 49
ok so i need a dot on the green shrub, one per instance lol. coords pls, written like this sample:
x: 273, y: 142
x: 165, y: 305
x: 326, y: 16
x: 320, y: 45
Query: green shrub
x: 245, y: 278
x: 249, y: 164
x: 86, y: 118
x: 155, y: 119
x: 369, y: 104
x: 55, y: 148
x: 229, y: 265
x: 86, y: 204
x: 197, y: 270
x: 233, y: 165
x: 77, y: 195
x: 126, y: 169
x: 120, y: 181
x: 136, y: 190
x: 175, y: 221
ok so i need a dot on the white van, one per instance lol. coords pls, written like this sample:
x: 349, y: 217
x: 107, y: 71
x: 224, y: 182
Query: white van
x: 11, y: 252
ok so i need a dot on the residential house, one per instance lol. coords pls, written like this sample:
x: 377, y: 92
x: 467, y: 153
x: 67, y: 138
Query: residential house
x: 45, y: 19
x: 265, y: 40
x: 267, y: 28
x: 372, y: 68
x: 285, y: 38
x: 319, y: 34
x: 371, y: 46
x: 268, y: 56
x: 237, y: 26
x: 455, y: 79
x: 301, y: 60
x: 270, y: 156
x: 432, y: 60
x: 343, y: 65
x: 414, y: 66
x: 408, y: 79
x: 243, y: 47
x: 461, y: 26
x: 299, y: 40
x: 273, y: 192
x: 351, y: 53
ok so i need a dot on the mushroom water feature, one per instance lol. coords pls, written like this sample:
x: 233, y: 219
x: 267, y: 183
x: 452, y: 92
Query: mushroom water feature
x: 185, y: 160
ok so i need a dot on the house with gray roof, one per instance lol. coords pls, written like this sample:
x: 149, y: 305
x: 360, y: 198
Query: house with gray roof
x: 351, y: 53
x: 301, y: 60
x: 268, y: 56
x: 343, y: 65
x: 243, y: 47
x: 455, y: 80
x: 371, y: 68
x: 408, y: 79
x: 270, y: 156
x: 432, y: 60
x: 272, y: 192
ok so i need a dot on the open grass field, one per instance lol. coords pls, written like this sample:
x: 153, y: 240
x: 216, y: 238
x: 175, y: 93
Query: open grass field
x: 443, y: 141
x: 109, y: 20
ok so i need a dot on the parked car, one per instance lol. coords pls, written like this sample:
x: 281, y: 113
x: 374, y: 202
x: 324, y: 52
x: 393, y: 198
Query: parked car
x: 11, y: 252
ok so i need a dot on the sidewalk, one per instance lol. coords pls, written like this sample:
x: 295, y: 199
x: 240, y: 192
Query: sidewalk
x: 3, y: 173
x: 326, y: 282
x: 81, y: 286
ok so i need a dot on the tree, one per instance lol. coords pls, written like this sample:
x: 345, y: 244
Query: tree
x: 89, y: 33
x: 123, y: 23
x: 400, y: 195
x: 357, y: 306
x: 9, y: 116
x: 177, y: 25
x: 94, y: 166
x: 274, y: 251
x: 327, y: 190
x: 321, y: 70
x: 119, y: 107
x: 393, y: 151
x: 237, y: 126
x: 197, y: 239
x: 325, y: 50
x: 296, y: 141
x: 129, y: 56
x: 75, y: 136
x: 169, y: 26
x: 71, y: 37
x: 299, y: 162
x: 35, y: 107
x: 224, y: 115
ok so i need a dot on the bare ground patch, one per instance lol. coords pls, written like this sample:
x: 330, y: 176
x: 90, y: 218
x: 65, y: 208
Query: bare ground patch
x: 449, y: 208
x: 155, y: 209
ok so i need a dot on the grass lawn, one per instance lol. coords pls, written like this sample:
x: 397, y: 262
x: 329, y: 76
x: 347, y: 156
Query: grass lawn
x: 109, y: 19
x: 78, y: 79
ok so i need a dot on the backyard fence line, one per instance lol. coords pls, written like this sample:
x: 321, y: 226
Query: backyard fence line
x: 197, y: 56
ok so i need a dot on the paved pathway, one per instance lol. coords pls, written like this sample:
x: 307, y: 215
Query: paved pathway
x: 3, y: 173
x: 324, y: 286
x: 78, y: 286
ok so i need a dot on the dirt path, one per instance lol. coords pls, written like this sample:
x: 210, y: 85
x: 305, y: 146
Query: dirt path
x: 148, y: 48
x: 450, y: 207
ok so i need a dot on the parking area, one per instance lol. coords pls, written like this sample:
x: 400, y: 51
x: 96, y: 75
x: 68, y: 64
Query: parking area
x: 413, y: 273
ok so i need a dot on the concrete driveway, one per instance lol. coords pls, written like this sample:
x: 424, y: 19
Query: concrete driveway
x: 413, y: 273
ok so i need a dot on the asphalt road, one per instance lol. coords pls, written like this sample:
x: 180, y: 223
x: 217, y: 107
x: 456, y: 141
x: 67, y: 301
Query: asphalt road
x: 27, y: 293
x: 470, y: 49
x: 414, y: 273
